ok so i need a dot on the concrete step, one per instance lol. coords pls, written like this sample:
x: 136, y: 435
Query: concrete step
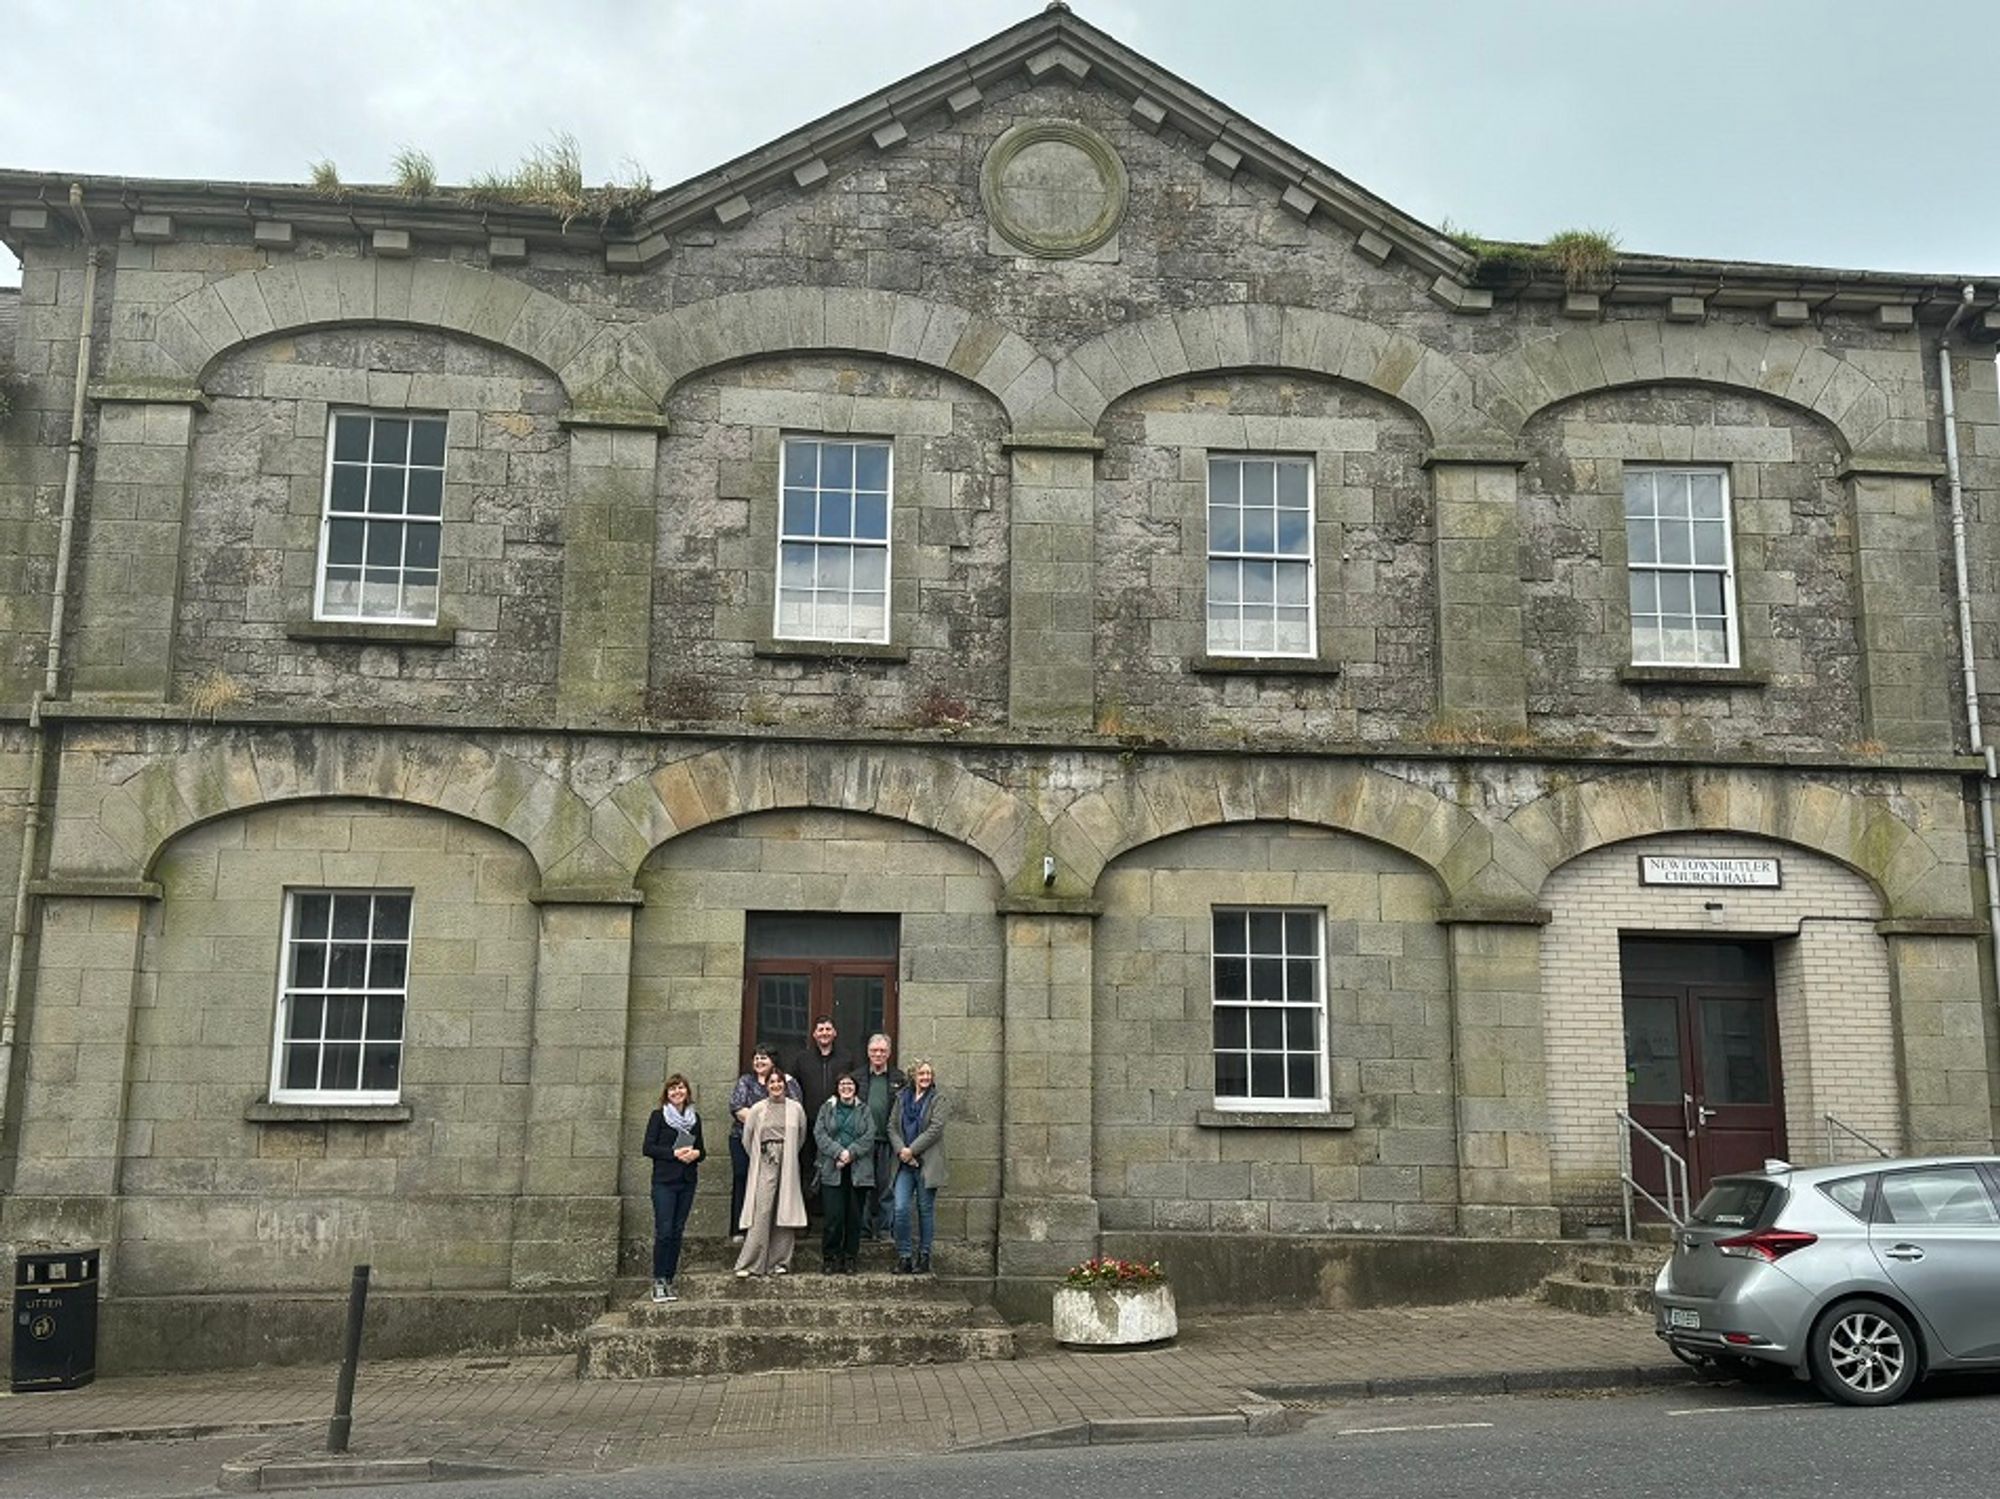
x: 614, y: 1348
x: 800, y: 1285
x: 1623, y: 1272
x: 1571, y: 1294
x: 774, y: 1312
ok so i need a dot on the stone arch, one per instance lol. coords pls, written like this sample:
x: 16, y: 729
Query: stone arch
x: 241, y: 771
x: 1266, y: 336
x: 1473, y: 864
x: 801, y: 319
x: 926, y: 791
x: 1911, y: 851
x: 1779, y: 363
x: 599, y: 365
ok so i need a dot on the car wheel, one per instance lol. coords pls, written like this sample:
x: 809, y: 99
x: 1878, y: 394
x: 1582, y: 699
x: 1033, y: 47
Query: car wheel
x: 1864, y: 1353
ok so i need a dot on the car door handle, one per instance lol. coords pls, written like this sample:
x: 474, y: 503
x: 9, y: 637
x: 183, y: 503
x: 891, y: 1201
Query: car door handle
x: 1903, y: 1252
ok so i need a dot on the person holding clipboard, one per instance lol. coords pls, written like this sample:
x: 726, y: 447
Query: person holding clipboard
x: 673, y: 1141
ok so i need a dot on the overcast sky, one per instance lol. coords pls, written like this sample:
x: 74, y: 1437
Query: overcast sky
x: 1849, y: 133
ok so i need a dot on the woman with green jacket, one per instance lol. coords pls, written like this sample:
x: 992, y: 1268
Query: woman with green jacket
x: 845, y: 1135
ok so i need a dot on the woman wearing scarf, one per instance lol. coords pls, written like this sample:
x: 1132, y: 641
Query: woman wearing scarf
x: 746, y: 1095
x: 845, y: 1134
x: 774, y: 1209
x: 673, y: 1140
x: 916, y: 1165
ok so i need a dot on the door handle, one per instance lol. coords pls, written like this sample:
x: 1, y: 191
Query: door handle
x: 1703, y: 1113
x: 1687, y: 1112
x: 1903, y: 1252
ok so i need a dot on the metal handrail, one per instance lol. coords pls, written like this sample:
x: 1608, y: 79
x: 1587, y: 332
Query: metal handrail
x: 1673, y: 1168
x: 1851, y: 1132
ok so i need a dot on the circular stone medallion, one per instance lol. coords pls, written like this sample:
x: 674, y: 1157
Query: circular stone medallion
x: 1054, y: 189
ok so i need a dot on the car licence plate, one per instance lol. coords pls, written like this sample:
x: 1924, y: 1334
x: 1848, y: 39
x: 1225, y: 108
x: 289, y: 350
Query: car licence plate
x: 1680, y: 1316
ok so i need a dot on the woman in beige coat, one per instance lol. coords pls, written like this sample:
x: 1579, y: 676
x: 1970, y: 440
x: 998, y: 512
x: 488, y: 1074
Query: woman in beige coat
x: 774, y: 1207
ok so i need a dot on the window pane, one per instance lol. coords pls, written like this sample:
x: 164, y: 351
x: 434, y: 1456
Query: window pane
x: 870, y: 620
x: 1675, y: 545
x: 343, y: 1017
x: 1225, y: 528
x: 836, y: 514
x: 303, y: 1021
x: 1267, y: 979
x: 1266, y: 931
x: 1232, y: 1029
x: 347, y: 966
x: 1708, y: 544
x: 1225, y: 628
x: 1705, y: 496
x: 350, y: 439
x: 1638, y: 493
x: 1267, y: 1076
x: 1302, y: 1076
x: 871, y: 569
x: 350, y: 487
x: 1259, y: 582
x: 1224, y: 481
x: 1292, y: 633
x: 1645, y: 642
x: 795, y: 565
x: 351, y: 916
x: 426, y: 491
x: 385, y: 491
x: 1676, y: 593
x: 309, y: 915
x: 1640, y: 545
x: 1259, y: 482
x: 836, y: 466
x: 341, y: 1068
x: 1232, y: 1075
x: 801, y: 463
x: 835, y: 569
x: 392, y: 440
x: 385, y: 1017
x: 871, y: 466
x: 1712, y: 643
x: 301, y: 1067
x: 427, y: 443
x: 1292, y: 533
x: 420, y: 546
x: 309, y: 965
x: 1672, y: 493
x: 1224, y: 582
x: 1267, y: 1029
x: 343, y: 541
x: 1292, y: 485
x: 799, y: 512
x: 1645, y: 592
x: 1301, y: 979
x: 1708, y: 593
x: 1230, y: 932
x: 1301, y: 932
x: 385, y: 544
x: 1292, y: 585
x: 1260, y: 530
x: 379, y: 1066
x: 871, y: 517
x: 387, y: 966
x: 1302, y: 1030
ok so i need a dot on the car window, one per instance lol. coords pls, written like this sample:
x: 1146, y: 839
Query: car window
x: 1939, y: 1195
x: 1851, y: 1192
x: 1736, y: 1202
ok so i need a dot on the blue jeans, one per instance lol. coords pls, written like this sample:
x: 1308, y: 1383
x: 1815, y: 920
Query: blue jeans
x: 909, y: 1186
x: 671, y: 1202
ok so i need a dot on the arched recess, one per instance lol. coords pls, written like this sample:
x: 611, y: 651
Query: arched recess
x: 799, y: 319
x: 1780, y: 363
x: 599, y: 364
x: 693, y: 1008
x: 926, y: 791
x: 1475, y: 864
x: 133, y: 819
x: 1267, y: 336
x: 1909, y: 844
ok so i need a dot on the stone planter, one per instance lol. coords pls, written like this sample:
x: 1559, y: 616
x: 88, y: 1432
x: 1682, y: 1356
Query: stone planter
x: 1131, y: 1318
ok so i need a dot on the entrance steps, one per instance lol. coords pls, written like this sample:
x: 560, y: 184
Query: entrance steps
x: 1614, y: 1279
x: 804, y: 1320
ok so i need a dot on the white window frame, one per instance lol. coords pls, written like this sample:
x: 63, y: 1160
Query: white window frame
x: 358, y: 1096
x: 327, y: 516
x: 885, y: 545
x: 1251, y: 1104
x: 1241, y: 555
x: 1731, y: 611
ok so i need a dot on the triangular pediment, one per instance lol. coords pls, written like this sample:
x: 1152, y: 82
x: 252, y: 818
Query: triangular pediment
x: 1054, y: 46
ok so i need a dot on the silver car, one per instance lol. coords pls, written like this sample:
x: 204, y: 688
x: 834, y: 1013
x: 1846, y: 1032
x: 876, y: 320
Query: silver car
x: 1864, y: 1277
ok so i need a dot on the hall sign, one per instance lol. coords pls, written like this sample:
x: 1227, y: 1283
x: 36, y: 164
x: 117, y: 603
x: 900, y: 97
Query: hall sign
x: 1739, y: 874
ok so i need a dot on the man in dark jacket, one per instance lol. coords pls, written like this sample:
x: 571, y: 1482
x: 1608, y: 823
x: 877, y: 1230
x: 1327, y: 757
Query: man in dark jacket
x: 816, y: 1069
x: 878, y: 1086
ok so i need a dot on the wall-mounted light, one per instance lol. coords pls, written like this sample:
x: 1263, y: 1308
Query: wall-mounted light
x: 1048, y: 869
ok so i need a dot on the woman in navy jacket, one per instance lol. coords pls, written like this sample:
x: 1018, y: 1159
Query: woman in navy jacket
x: 673, y: 1140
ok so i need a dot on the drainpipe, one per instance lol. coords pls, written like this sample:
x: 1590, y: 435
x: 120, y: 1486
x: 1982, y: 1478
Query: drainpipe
x: 31, y: 833
x: 1969, y: 663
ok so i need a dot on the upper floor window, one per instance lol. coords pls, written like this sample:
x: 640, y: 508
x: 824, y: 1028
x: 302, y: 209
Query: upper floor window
x: 1269, y: 1004
x: 1260, y: 557
x: 384, y: 512
x: 1683, y: 576
x: 341, y: 996
x: 833, y: 540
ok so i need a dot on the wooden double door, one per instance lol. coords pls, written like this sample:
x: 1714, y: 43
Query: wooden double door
x: 1701, y: 1055
x: 801, y: 966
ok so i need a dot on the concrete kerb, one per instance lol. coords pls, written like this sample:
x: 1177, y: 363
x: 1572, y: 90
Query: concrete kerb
x: 334, y: 1472
x: 1258, y: 1418
x: 182, y: 1431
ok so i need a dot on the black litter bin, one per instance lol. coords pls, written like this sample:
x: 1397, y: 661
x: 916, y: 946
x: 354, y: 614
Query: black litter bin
x: 55, y: 1320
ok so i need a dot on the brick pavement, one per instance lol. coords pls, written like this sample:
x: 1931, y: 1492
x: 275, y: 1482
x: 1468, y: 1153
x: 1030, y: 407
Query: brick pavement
x: 532, y: 1412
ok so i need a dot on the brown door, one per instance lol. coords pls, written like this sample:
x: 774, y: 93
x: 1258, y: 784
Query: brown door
x: 798, y: 967
x: 1701, y: 1056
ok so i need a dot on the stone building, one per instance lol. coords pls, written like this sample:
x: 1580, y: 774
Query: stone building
x: 1300, y: 723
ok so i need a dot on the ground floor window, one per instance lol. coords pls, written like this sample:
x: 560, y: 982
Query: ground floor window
x: 342, y: 992
x: 1269, y: 998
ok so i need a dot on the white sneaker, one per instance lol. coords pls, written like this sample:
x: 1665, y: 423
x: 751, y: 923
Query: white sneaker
x: 660, y: 1291
x: 782, y: 1270
x: 672, y: 1294
x: 742, y: 1274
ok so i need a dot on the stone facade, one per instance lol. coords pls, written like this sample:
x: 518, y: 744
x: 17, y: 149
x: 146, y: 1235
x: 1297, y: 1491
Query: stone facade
x: 601, y: 758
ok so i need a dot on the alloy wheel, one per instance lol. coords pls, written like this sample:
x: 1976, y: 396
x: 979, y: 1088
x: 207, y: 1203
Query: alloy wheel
x: 1865, y: 1352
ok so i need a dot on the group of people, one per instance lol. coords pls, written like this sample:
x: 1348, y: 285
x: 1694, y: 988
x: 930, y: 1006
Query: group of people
x: 869, y: 1137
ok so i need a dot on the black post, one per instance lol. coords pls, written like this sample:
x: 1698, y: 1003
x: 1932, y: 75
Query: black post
x: 343, y: 1399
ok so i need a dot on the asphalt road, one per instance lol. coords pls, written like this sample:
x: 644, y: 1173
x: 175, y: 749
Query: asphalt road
x: 1687, y: 1442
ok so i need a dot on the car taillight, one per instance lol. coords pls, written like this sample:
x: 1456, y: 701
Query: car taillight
x: 1770, y: 1244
